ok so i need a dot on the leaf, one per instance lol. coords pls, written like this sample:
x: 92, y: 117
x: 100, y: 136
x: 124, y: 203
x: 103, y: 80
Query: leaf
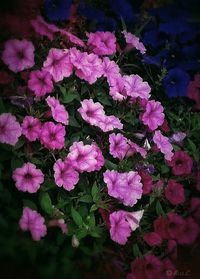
x: 94, y: 190
x: 76, y: 217
x: 68, y: 96
x: 73, y: 122
x: 48, y: 184
x: 35, y: 161
x: 136, y: 251
x: 16, y: 163
x: 104, y: 99
x: 86, y: 199
x: 45, y: 202
x: 93, y: 207
x: 91, y: 220
x: 19, y: 144
x: 30, y: 204
x: 159, y: 209
x: 109, y: 165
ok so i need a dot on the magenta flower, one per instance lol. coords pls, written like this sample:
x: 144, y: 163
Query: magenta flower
x: 136, y: 87
x: 10, y: 129
x: 40, y: 82
x: 65, y: 175
x: 110, y: 68
x: 117, y: 88
x: 181, y: 163
x: 85, y: 157
x: 102, y: 43
x: 126, y: 187
x: 174, y: 192
x: 118, y: 145
x: 28, y: 178
x: 31, y: 128
x: 134, y: 42
x: 152, y: 239
x: 109, y: 123
x: 153, y: 115
x: 58, y: 64
x: 189, y: 233
x: 32, y: 221
x: 43, y: 28
x: 18, y: 55
x: 163, y: 145
x: 72, y: 38
x: 52, y: 135
x: 91, y: 112
x: 58, y: 111
x: 123, y: 223
x: 175, y: 225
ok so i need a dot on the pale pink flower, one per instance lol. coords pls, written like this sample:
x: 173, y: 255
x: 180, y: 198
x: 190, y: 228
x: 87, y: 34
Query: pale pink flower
x: 58, y: 223
x: 72, y: 38
x: 40, y: 82
x: 31, y: 128
x: 126, y: 187
x: 136, y: 87
x: 109, y: 123
x: 135, y: 148
x: 10, y: 129
x: 118, y: 145
x: 134, y: 42
x: 123, y: 223
x: 43, y: 28
x: 58, y: 111
x: 163, y: 145
x: 32, y: 221
x: 110, y: 68
x: 58, y: 64
x: 65, y: 175
x: 52, y: 135
x: 91, y: 112
x: 28, y: 178
x: 85, y: 157
x: 18, y: 55
x: 117, y: 88
x: 153, y: 115
x: 102, y: 43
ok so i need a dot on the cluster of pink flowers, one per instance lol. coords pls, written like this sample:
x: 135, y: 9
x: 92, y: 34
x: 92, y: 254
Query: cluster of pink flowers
x: 126, y: 187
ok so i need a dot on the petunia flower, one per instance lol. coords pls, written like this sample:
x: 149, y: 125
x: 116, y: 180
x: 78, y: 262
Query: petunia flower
x: 134, y: 42
x: 40, y: 82
x: 31, y: 128
x: 136, y: 87
x: 163, y: 145
x: 58, y: 111
x: 153, y: 116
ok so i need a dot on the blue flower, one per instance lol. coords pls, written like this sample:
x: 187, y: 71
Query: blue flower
x: 176, y: 82
x: 57, y: 9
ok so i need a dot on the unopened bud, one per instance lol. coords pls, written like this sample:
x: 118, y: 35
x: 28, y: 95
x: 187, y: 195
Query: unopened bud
x: 75, y: 241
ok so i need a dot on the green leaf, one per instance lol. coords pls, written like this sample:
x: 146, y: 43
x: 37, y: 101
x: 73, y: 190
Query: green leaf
x: 109, y: 165
x: 86, y: 199
x: 136, y: 251
x: 16, y: 163
x: 94, y: 190
x: 104, y: 99
x: 68, y: 96
x: 30, y: 204
x: 73, y: 122
x: 35, y: 161
x: 91, y: 220
x: 76, y: 217
x: 45, y: 202
x: 48, y: 184
x: 159, y: 209
x: 93, y: 207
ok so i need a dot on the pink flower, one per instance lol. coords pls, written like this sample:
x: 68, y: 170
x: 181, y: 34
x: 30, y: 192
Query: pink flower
x: 122, y: 224
x: 118, y: 146
x: 137, y: 269
x: 171, y: 250
x: 65, y: 175
x: 181, y: 163
x: 102, y: 43
x: 91, y: 112
x: 152, y: 239
x: 10, y: 129
x: 189, y: 232
x: 153, y: 115
x: 43, y: 28
x: 126, y: 186
x: 58, y: 223
x: 194, y: 208
x: 85, y: 157
x: 160, y: 227
x: 153, y: 266
x: 175, y: 225
x: 147, y: 182
x: 117, y: 88
x: 174, y: 192
x: 58, y: 111
x: 163, y: 145
x: 52, y: 135
x: 40, y: 82
x: 58, y: 64
x: 136, y: 87
x: 31, y: 128
x: 18, y: 55
x: 32, y: 221
x: 109, y: 123
x: 72, y: 38
x: 134, y: 42
x: 28, y: 178
x: 193, y: 91
x: 110, y: 68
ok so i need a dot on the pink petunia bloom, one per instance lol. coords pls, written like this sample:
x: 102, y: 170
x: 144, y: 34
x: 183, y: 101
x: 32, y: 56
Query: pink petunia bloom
x: 110, y: 68
x: 152, y: 239
x: 189, y: 232
x: 175, y: 225
x: 65, y: 175
x: 181, y: 163
x: 102, y: 43
x: 28, y: 178
x: 43, y: 28
x: 32, y: 221
x: 147, y: 182
x: 136, y: 87
x: 10, y: 129
x: 31, y: 128
x: 52, y: 135
x: 163, y: 145
x: 126, y: 187
x: 153, y: 115
x: 134, y: 148
x: 117, y: 88
x: 194, y: 208
x: 160, y: 227
x: 153, y: 266
x: 137, y: 269
x: 193, y: 91
x: 122, y: 223
x: 91, y: 112
x: 85, y: 157
x: 58, y: 223
x: 40, y: 82
x: 118, y: 145
x: 72, y: 38
x: 174, y: 192
x: 18, y: 55
x: 58, y: 64
x: 134, y: 42
x: 109, y: 123
x: 58, y: 111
